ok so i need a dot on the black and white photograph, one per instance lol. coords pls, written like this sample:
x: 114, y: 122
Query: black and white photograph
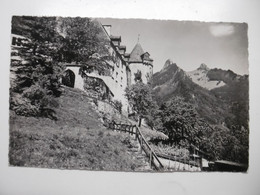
x: 128, y: 95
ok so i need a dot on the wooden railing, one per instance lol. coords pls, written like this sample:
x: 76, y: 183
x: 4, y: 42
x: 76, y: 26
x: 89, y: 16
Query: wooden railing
x: 180, y: 160
x: 144, y: 146
x: 153, y: 159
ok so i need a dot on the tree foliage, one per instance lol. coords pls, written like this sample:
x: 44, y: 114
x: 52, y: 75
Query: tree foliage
x: 181, y: 122
x: 139, y: 96
x: 35, y: 72
x: 84, y: 43
x: 228, y: 144
x: 37, y: 68
x: 184, y: 127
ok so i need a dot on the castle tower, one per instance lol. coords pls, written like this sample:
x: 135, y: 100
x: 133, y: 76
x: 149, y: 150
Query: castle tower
x: 140, y: 64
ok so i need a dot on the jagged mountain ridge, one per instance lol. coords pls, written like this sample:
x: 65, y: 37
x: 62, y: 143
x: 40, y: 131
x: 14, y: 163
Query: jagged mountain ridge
x: 214, y: 78
x: 231, y: 88
x: 200, y: 77
x: 173, y: 81
x: 227, y: 103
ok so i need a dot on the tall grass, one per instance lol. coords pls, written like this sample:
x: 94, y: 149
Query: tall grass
x: 77, y: 140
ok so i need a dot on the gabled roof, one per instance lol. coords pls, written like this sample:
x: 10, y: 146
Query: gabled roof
x: 136, y: 53
x: 146, y: 56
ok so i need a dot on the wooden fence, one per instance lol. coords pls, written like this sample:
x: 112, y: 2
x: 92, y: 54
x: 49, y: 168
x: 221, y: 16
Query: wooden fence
x: 144, y: 146
x: 180, y: 160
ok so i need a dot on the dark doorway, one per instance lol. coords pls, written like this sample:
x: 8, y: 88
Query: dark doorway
x: 69, y: 78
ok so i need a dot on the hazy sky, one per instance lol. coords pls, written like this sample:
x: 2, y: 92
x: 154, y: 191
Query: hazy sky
x: 219, y: 45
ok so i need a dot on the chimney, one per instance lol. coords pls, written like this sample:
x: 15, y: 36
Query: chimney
x: 108, y: 29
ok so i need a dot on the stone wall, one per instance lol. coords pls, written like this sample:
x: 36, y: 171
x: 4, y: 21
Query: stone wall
x: 95, y: 87
x: 108, y: 110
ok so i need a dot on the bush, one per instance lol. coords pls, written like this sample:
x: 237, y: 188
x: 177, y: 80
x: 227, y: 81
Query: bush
x: 22, y: 106
x: 34, y: 101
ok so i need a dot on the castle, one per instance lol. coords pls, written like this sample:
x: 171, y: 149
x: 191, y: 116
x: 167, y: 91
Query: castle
x: 125, y: 70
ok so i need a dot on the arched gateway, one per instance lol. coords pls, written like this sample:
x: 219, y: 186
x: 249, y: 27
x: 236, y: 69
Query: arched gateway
x: 68, y: 78
x: 72, y: 76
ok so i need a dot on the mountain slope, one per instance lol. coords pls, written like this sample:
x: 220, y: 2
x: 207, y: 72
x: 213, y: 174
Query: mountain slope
x: 231, y: 88
x: 225, y: 108
x: 173, y: 81
x: 201, y: 77
x: 236, y: 95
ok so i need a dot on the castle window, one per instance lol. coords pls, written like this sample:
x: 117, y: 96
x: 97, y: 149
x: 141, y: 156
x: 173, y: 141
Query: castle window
x: 14, y: 41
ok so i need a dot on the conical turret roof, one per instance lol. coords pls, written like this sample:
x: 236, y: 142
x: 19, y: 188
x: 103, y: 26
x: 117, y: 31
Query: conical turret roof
x: 136, y: 53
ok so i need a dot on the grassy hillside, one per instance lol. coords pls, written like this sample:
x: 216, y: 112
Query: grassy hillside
x: 77, y: 140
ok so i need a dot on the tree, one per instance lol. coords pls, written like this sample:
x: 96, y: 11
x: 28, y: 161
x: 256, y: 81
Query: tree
x: 180, y: 121
x: 154, y: 118
x: 224, y: 143
x: 51, y: 40
x: 35, y: 74
x: 139, y: 96
x: 84, y: 43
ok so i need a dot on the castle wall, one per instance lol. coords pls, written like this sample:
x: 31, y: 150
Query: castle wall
x: 116, y: 85
x: 120, y: 76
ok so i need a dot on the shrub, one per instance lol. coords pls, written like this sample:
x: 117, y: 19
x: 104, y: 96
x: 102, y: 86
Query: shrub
x: 23, y: 106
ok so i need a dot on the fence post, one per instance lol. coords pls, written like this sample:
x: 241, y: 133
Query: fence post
x: 151, y: 158
x: 141, y: 144
x: 130, y: 130
x: 136, y: 135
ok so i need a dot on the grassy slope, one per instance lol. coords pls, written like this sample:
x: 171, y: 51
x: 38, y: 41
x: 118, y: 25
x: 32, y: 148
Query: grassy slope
x: 77, y: 140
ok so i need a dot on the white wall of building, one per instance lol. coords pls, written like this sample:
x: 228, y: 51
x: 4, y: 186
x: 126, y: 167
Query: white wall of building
x: 79, y: 81
x: 145, y: 69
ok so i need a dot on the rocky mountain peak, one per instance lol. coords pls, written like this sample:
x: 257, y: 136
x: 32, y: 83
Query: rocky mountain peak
x: 203, y: 67
x: 167, y: 63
